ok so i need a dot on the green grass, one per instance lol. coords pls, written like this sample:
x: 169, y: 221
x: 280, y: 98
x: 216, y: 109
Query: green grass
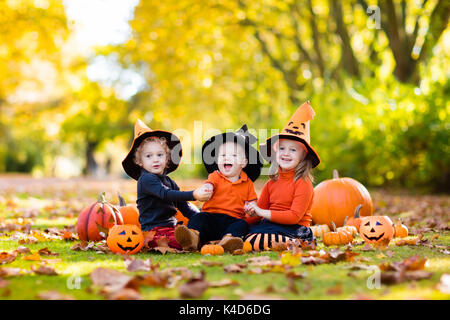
x: 55, y: 212
x: 319, y: 279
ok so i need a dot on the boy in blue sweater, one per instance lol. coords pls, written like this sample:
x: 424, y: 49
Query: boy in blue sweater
x: 154, y: 154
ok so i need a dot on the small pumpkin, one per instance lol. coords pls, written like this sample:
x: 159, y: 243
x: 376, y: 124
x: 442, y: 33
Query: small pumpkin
x: 376, y: 229
x: 247, y: 247
x: 125, y: 239
x: 354, y: 221
x: 320, y: 229
x: 401, y: 231
x: 96, y: 218
x: 130, y: 213
x: 350, y: 229
x: 212, y: 249
x: 337, y: 237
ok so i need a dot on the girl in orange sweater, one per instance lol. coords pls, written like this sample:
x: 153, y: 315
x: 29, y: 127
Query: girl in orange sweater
x: 283, y: 210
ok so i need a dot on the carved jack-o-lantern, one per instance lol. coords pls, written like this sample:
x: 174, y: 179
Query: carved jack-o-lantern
x: 125, y: 239
x: 375, y: 229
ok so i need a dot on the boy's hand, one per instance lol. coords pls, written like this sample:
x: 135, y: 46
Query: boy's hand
x: 250, y: 208
x: 202, y: 193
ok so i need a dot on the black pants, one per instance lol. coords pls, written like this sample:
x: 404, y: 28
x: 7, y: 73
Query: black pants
x: 213, y: 226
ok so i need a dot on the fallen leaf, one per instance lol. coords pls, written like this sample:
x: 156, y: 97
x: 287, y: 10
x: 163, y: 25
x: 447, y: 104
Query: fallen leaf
x: 32, y: 257
x: 6, y: 257
x: 108, y: 279
x: 46, y: 252
x: 193, y: 288
x: 223, y: 283
x: 211, y: 263
x: 334, y: 290
x: 54, y: 295
x: 124, y: 294
x: 44, y: 270
x: 234, y: 268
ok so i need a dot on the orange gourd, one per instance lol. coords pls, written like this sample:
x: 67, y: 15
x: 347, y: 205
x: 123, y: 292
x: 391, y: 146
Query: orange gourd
x: 130, y: 213
x: 125, y: 239
x: 401, y: 231
x: 354, y: 221
x: 97, y: 217
x: 376, y: 229
x: 212, y: 249
x: 247, y: 247
x: 336, y: 237
x: 335, y: 198
x: 319, y: 230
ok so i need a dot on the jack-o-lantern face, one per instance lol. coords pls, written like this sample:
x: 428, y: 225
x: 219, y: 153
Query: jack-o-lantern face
x: 125, y: 239
x: 374, y: 229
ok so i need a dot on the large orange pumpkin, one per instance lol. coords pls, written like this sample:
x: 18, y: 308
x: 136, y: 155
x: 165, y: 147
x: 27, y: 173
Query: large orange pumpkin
x: 337, y: 198
x: 97, y: 217
x: 130, y: 213
x: 376, y: 229
x: 125, y: 239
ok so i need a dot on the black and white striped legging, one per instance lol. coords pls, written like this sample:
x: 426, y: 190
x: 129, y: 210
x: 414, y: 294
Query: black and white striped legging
x: 263, y: 241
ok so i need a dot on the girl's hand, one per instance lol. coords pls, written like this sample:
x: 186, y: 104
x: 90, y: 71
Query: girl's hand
x: 249, y: 208
x: 203, y: 193
x: 257, y: 211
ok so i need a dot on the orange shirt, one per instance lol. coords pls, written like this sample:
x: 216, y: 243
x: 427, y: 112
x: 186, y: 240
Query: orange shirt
x: 289, y: 201
x: 229, y: 197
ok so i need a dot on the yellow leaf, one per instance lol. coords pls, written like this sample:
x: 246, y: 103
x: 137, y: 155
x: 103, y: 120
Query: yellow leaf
x: 32, y: 257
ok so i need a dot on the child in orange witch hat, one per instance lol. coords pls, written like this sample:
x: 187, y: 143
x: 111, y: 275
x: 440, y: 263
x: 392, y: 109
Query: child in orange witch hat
x: 283, y: 210
x: 233, y: 164
x: 154, y: 154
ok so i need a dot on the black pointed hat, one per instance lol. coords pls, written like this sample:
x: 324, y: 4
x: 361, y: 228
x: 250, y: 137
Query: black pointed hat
x: 242, y: 137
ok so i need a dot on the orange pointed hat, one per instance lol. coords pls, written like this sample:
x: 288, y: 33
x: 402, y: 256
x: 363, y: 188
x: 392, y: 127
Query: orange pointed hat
x: 297, y: 129
x: 142, y: 131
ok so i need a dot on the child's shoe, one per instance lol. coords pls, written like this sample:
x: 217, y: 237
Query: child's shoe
x: 187, y: 238
x: 230, y: 243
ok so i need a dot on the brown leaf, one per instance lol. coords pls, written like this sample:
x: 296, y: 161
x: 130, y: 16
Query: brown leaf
x: 335, y: 290
x: 295, y: 275
x: 148, y: 236
x: 279, y: 246
x: 312, y: 260
x: 124, y: 294
x: 194, y: 288
x: 46, y: 252
x: 137, y: 265
x: 44, y: 270
x: 83, y: 246
x: 10, y: 272
x: 6, y: 257
x: 22, y: 249
x: 54, y: 295
x: 211, y: 263
x: 367, y: 247
x: 234, y: 268
x: 223, y: 283
x: 110, y: 280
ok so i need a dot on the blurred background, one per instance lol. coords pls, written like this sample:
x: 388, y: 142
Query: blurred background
x: 76, y: 74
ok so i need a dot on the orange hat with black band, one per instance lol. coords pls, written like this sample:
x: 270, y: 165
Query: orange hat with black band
x: 141, y: 132
x: 297, y: 129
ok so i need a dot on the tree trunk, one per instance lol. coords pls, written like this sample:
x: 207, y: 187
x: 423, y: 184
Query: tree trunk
x: 91, y: 165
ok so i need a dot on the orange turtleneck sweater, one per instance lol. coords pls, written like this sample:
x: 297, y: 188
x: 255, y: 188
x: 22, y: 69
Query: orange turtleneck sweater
x: 289, y: 201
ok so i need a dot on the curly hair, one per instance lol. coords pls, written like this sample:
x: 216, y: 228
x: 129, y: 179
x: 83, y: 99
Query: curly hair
x: 160, y: 140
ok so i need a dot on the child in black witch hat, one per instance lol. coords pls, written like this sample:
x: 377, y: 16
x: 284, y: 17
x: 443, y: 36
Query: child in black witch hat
x: 154, y: 154
x: 233, y: 164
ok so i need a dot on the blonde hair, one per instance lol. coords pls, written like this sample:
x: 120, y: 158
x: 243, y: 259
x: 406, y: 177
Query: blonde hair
x: 160, y: 140
x: 303, y: 170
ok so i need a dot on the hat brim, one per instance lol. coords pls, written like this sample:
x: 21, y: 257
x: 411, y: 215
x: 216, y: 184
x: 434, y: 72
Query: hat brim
x: 174, y: 144
x: 266, y: 149
x: 211, y: 146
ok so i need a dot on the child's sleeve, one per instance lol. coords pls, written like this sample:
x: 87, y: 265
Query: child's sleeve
x: 252, y: 196
x: 187, y: 209
x: 152, y: 185
x: 263, y: 201
x: 212, y: 179
x: 303, y: 195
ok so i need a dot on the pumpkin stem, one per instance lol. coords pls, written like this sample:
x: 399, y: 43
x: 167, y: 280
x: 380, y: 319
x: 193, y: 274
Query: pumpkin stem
x: 122, y: 202
x: 101, y: 197
x: 335, y: 174
x: 356, y: 215
x: 334, y: 226
x: 345, y: 220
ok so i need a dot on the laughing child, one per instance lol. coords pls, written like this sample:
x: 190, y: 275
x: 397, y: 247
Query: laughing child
x: 233, y: 164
